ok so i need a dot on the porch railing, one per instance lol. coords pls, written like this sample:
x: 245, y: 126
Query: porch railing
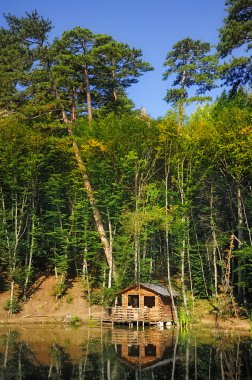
x: 133, y: 314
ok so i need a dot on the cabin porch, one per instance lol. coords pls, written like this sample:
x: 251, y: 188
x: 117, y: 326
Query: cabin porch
x: 136, y: 315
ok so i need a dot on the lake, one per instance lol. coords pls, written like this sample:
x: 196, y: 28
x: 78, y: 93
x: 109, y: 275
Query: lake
x: 58, y: 352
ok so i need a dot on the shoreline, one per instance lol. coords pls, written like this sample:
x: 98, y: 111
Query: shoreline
x: 73, y: 309
x: 232, y: 325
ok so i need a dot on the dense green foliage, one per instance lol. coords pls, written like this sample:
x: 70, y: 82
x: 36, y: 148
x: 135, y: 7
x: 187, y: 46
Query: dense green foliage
x: 90, y: 187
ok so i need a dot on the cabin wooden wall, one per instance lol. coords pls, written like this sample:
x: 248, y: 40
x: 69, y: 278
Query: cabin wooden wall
x: 162, y: 304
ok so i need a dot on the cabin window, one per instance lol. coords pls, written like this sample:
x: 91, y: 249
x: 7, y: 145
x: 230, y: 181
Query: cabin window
x: 133, y: 350
x: 133, y: 300
x: 118, y: 301
x: 149, y: 301
x: 166, y: 300
x: 150, y: 350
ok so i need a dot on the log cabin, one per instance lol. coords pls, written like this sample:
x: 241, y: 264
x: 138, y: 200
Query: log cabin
x: 144, y: 303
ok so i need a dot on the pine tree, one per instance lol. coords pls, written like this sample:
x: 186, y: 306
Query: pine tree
x: 236, y: 33
x: 193, y: 66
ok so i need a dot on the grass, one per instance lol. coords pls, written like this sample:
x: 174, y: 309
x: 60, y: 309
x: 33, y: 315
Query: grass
x: 92, y: 323
x: 202, y: 309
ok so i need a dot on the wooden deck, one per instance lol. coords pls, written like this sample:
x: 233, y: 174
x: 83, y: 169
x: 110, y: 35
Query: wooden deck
x: 135, y: 315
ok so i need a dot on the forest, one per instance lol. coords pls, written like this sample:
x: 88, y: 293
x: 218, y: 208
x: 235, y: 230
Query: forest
x: 94, y: 188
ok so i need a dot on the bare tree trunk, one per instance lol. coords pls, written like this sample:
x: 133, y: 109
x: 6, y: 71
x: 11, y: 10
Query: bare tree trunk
x: 215, y: 243
x: 182, y: 98
x: 189, y: 264
x: 111, y: 238
x: 222, y: 367
x: 89, y: 102
x: 86, y: 358
x: 228, y: 289
x: 174, y: 308
x: 215, y: 272
x: 247, y: 224
x: 200, y: 258
x: 50, y: 371
x: 174, y: 355
x: 5, y: 355
x: 85, y: 270
x: 19, y: 229
x: 32, y: 244
x: 241, y: 289
x: 108, y: 369
x: 72, y: 107
x: 183, y: 224
x: 182, y: 257
x: 187, y: 358
x: 238, y: 363
x: 85, y: 273
x: 137, y: 254
x: 136, y: 232
x: 114, y: 91
x: 11, y: 295
x: 8, y: 243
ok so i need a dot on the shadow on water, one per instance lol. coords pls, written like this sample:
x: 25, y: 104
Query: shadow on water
x: 43, y: 352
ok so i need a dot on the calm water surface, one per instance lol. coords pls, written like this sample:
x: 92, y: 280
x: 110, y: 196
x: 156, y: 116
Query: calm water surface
x: 42, y: 352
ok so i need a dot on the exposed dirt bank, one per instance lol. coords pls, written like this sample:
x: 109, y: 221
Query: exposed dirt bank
x: 42, y: 307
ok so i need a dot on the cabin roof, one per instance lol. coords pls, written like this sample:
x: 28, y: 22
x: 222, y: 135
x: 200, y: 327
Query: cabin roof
x: 159, y: 289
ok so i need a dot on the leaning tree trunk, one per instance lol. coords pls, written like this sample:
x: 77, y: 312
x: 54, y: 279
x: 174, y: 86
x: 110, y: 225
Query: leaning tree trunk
x: 90, y: 194
x: 86, y: 182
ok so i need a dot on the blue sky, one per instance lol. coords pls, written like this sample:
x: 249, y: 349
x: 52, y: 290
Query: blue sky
x: 153, y: 26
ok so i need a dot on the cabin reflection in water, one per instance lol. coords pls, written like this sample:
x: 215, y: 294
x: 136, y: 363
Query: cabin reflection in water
x: 143, y: 349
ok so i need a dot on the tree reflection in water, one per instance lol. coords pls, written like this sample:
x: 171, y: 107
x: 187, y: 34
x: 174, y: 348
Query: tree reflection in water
x: 58, y: 353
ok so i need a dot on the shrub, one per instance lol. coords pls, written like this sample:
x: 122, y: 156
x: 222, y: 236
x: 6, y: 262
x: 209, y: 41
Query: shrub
x: 13, y: 306
x: 75, y: 321
x: 58, y: 290
x: 69, y: 298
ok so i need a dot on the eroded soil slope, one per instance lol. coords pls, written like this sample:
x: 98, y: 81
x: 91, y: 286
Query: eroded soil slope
x: 42, y: 306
